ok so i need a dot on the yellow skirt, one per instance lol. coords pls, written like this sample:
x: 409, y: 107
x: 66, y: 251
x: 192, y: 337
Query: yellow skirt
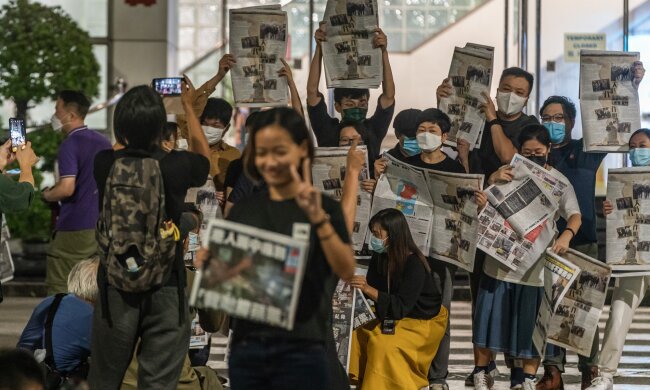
x: 399, y: 361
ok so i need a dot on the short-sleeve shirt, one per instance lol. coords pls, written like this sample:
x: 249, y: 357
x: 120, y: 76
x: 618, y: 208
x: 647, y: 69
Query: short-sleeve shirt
x: 14, y: 196
x: 76, y: 157
x: 397, y: 153
x: 326, y: 128
x: 234, y: 171
x: 221, y: 156
x: 580, y: 169
x: 313, y: 313
x: 446, y: 165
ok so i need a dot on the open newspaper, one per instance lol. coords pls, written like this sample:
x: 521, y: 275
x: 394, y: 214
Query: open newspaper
x: 342, y: 315
x: 258, y: 39
x: 349, y: 58
x: 609, y: 102
x: 552, y: 184
x: 362, y: 311
x: 252, y: 274
x: 328, y: 175
x: 455, y: 222
x: 6, y: 261
x: 628, y: 226
x: 205, y: 200
x: 470, y: 74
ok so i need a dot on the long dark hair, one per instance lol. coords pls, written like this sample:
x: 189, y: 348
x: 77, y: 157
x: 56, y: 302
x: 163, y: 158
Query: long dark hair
x: 640, y: 131
x: 139, y: 118
x: 400, y: 242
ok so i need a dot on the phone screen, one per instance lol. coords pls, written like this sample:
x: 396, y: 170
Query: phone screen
x: 17, y: 133
x: 169, y: 86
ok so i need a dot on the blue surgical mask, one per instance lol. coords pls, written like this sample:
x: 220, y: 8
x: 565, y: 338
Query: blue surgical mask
x: 557, y: 131
x: 640, y: 157
x: 377, y: 244
x: 410, y: 146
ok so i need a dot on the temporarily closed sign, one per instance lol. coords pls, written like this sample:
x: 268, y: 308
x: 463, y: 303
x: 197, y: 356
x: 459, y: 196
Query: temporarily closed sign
x: 574, y: 42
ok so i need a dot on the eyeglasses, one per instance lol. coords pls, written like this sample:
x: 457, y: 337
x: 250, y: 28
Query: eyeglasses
x: 555, y: 118
x: 348, y: 141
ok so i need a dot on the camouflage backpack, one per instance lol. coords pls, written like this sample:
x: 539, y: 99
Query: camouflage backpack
x: 136, y: 242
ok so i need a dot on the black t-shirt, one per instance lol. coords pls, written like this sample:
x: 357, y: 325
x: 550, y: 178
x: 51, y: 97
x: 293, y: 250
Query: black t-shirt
x: 397, y: 153
x: 485, y: 159
x: 313, y: 314
x: 234, y: 171
x: 446, y: 165
x: 413, y: 295
x: 326, y: 128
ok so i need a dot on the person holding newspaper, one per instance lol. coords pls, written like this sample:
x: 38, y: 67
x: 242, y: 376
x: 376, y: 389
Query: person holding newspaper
x: 396, y: 350
x: 351, y: 103
x: 508, y: 301
x: 629, y: 291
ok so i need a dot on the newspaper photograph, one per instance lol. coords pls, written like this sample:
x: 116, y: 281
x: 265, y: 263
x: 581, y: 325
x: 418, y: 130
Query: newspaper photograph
x: 252, y: 274
x: 404, y: 187
x: 258, y: 39
x: 362, y: 310
x: 628, y: 226
x: 522, y: 202
x: 342, y: 315
x: 609, y: 101
x: 455, y: 212
x: 470, y: 75
x: 328, y: 175
x: 575, y: 319
x: 199, y: 338
x: 6, y: 262
x: 551, y: 183
x: 349, y: 58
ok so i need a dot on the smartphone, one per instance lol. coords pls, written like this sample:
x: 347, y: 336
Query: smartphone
x: 168, y: 86
x: 17, y: 133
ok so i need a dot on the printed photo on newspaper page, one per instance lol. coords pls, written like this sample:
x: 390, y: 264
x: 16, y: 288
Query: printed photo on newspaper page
x: 258, y: 39
x: 628, y: 226
x: 6, y: 262
x: 470, y: 74
x: 363, y: 312
x: 404, y: 187
x: 205, y: 200
x: 328, y: 175
x: 455, y: 222
x: 342, y: 315
x: 609, y: 101
x: 252, y: 274
x: 553, y: 184
x: 522, y: 202
x: 574, y: 323
x: 348, y: 55
x: 199, y: 338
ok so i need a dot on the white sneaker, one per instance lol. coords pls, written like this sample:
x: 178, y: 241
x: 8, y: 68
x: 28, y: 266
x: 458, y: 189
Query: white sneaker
x: 529, y: 384
x: 601, y: 382
x: 483, y: 381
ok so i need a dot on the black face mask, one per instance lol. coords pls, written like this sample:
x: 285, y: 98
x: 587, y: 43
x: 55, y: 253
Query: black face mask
x: 539, y: 160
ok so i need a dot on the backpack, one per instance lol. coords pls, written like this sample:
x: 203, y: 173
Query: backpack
x: 137, y: 241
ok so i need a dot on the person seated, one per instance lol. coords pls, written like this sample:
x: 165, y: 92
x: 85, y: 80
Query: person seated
x: 71, y: 324
x: 405, y: 126
x: 20, y: 371
x: 395, y: 350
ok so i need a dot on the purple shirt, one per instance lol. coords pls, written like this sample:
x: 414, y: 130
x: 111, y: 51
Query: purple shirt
x: 76, y: 159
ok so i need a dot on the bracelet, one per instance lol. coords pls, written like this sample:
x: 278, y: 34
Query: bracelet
x: 573, y: 234
x: 492, y: 123
x: 322, y: 223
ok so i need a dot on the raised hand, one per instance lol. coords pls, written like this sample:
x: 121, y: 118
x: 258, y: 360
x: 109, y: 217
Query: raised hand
x: 188, y: 92
x: 320, y: 35
x: 503, y: 174
x: 445, y: 89
x: 356, y: 159
x: 380, y: 40
x: 488, y: 107
x: 308, y: 198
x: 286, y: 71
x: 226, y: 63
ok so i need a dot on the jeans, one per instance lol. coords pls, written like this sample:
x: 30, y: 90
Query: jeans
x: 278, y: 364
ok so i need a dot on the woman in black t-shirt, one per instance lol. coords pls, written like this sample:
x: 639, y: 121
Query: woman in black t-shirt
x: 410, y: 318
x: 264, y: 356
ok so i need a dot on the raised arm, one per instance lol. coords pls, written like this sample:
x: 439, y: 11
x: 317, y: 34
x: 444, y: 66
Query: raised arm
x: 296, y: 104
x: 387, y: 97
x: 197, y: 141
x: 313, y: 96
x: 355, y: 162
x: 503, y: 147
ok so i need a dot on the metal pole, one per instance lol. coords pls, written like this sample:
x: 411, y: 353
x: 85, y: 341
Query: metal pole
x: 311, y: 29
x: 505, y: 33
x: 523, y: 34
x: 538, y: 52
x: 626, y: 24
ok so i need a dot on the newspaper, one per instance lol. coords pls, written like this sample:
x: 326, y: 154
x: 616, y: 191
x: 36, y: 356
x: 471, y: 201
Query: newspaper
x: 576, y: 315
x: 559, y: 274
x: 549, y: 182
x: 522, y: 202
x: 199, y: 338
x: 609, y: 102
x: 455, y: 222
x: 328, y: 175
x: 258, y: 39
x: 253, y: 274
x: 628, y: 226
x: 404, y: 187
x: 342, y: 315
x: 470, y: 74
x: 205, y: 200
x: 349, y: 58
x: 6, y: 263
x: 363, y: 313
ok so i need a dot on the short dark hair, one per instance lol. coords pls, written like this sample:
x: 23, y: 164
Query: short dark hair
x: 284, y: 117
x: 170, y: 129
x: 435, y: 116
x: 518, y: 72
x: 76, y: 101
x: 250, y: 119
x: 350, y: 93
x: 360, y: 127
x: 534, y: 132
x: 139, y: 118
x: 405, y: 123
x: 217, y: 108
x: 568, y: 108
x: 640, y: 131
x: 18, y: 369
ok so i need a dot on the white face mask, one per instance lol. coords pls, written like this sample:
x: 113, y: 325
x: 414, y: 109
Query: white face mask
x: 56, y: 123
x: 181, y: 144
x: 510, y: 103
x: 213, y: 134
x: 428, y: 142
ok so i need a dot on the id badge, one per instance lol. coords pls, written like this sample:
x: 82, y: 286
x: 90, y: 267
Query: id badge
x: 388, y: 327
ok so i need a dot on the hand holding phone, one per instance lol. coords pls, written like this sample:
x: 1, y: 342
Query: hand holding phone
x: 168, y: 86
x: 17, y: 133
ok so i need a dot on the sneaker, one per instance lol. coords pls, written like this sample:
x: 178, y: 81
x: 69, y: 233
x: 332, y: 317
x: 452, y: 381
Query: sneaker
x: 439, y: 386
x: 529, y: 384
x: 601, y: 383
x: 492, y: 371
x: 483, y: 381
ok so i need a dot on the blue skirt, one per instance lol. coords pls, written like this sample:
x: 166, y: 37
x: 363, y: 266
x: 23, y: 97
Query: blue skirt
x: 505, y: 317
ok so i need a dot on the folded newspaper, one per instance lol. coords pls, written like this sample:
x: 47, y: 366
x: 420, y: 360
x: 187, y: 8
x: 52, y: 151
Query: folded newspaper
x: 252, y: 273
x: 470, y: 75
x: 609, y: 101
x: 342, y: 315
x: 628, y: 226
x: 6, y: 261
x: 258, y: 39
x: 348, y: 54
